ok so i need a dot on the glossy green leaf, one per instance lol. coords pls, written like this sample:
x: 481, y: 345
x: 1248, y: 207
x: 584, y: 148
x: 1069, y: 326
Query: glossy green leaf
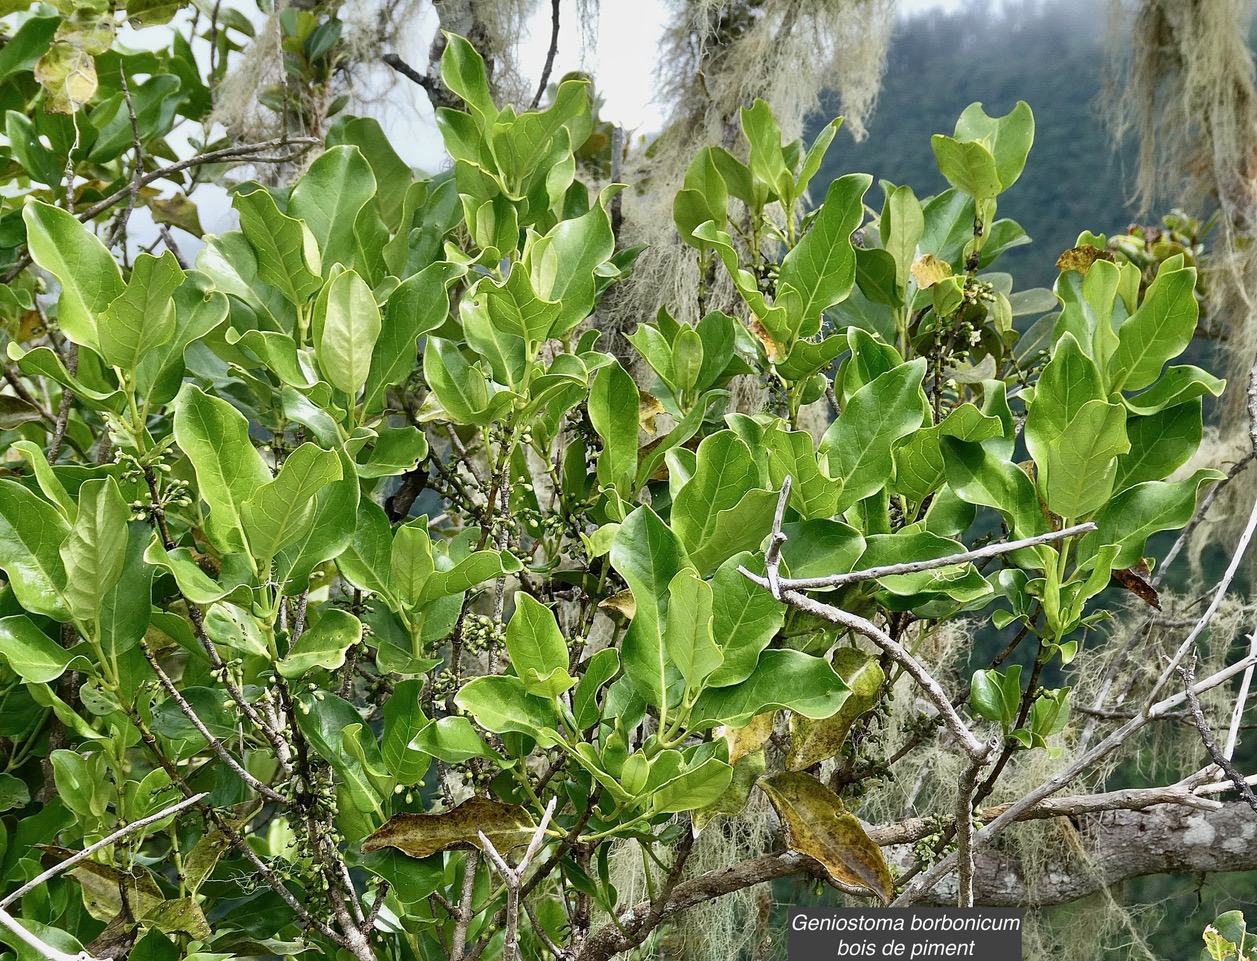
x: 88, y: 274
x: 1158, y: 331
x: 537, y: 649
x: 648, y: 555
x: 32, y: 655
x: 688, y: 636
x: 142, y: 317
x: 215, y: 436
x: 821, y: 267
x: 329, y: 197
x: 502, y: 704
x: 287, y: 253
x: 346, y: 326
x: 31, y: 534
x: 277, y: 513
x: 858, y: 444
x: 323, y: 645
x: 95, y: 550
x: 782, y: 679
x: 613, y: 411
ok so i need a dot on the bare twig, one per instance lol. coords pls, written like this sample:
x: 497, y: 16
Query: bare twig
x: 964, y: 826
x: 1188, y: 674
x: 914, y: 567
x: 466, y: 907
x: 87, y: 852
x: 514, y: 878
x: 215, y: 744
x: 554, y: 48
x: 968, y: 742
x: 1069, y: 773
x: 1241, y: 702
x: 1219, y: 593
x: 772, y: 556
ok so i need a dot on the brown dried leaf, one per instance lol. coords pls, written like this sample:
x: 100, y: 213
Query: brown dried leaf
x: 102, y: 885
x: 820, y: 827
x: 650, y: 406
x: 421, y: 835
x: 929, y: 270
x: 771, y: 347
x: 1135, y: 580
x: 813, y: 741
x: 1081, y: 258
x: 177, y: 211
x: 622, y: 603
x: 117, y: 940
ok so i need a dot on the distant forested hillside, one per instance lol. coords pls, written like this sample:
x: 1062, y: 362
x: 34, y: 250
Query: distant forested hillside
x: 1050, y: 54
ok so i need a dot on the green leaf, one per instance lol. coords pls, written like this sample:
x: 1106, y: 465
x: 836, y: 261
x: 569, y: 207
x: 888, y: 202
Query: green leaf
x: 1007, y: 138
x: 980, y: 478
x: 1068, y: 383
x: 820, y: 827
x: 745, y: 619
x: 463, y: 71
x: 782, y: 679
x: 902, y: 226
x: 563, y: 264
x: 324, y: 645
x: 277, y: 514
x: 1158, y: 331
x: 1160, y: 444
x: 688, y: 635
x: 34, y: 656
x: 95, y: 550
x: 328, y: 197
x: 141, y: 318
x: 417, y: 307
x: 1134, y: 515
x: 613, y: 411
x: 287, y: 253
x: 346, y: 326
x: 721, y: 510
x: 696, y: 788
x: 859, y: 443
x: 648, y: 555
x: 503, y: 704
x: 88, y: 274
x: 460, y: 387
x: 919, y: 466
x: 395, y: 451
x: 793, y: 454
x: 453, y: 740
x: 599, y: 669
x: 215, y: 436
x: 403, y: 719
x: 968, y: 167
x: 537, y: 649
x: 1077, y: 469
x: 821, y: 267
x: 31, y: 534
x: 1177, y: 385
x: 325, y: 721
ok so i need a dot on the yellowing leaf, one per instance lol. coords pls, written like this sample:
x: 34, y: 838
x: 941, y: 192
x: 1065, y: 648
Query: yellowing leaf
x: 820, y: 827
x: 68, y: 75
x: 1081, y: 258
x: 813, y: 741
x: 929, y: 270
x: 421, y: 835
x: 750, y: 738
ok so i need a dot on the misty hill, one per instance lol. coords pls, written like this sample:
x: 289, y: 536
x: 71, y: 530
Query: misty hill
x: 1050, y: 54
